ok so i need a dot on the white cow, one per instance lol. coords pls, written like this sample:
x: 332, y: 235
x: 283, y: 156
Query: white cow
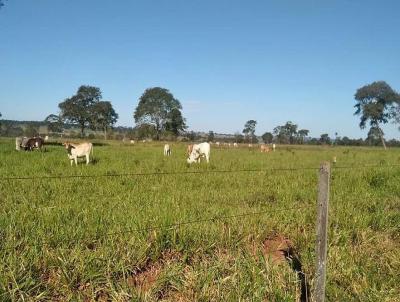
x: 167, y: 150
x: 235, y: 145
x: 273, y: 147
x: 198, y: 151
x: 78, y: 150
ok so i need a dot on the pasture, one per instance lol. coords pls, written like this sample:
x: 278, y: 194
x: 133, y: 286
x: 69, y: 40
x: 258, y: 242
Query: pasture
x: 114, y: 238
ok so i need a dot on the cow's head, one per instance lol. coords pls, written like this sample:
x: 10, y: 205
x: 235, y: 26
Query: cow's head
x: 68, y: 146
x: 193, y: 157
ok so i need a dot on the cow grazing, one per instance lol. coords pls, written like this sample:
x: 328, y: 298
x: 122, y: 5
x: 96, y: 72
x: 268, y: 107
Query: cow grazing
x: 198, y: 151
x: 264, y: 148
x: 32, y: 143
x: 167, y: 150
x: 78, y: 150
x: 273, y: 147
x: 235, y: 145
x: 189, y: 150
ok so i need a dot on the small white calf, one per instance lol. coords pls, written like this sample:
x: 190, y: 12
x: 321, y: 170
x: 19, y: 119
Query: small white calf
x: 198, y: 151
x: 78, y: 150
x: 167, y: 150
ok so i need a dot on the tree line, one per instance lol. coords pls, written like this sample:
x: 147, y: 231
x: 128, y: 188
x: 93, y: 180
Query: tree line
x: 158, y: 114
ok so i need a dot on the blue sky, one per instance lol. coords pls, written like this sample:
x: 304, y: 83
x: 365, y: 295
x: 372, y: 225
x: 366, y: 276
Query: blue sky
x: 226, y: 61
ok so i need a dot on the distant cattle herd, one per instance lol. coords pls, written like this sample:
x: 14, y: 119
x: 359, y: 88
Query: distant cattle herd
x: 85, y: 149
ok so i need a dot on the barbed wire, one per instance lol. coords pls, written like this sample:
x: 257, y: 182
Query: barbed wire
x: 8, y: 178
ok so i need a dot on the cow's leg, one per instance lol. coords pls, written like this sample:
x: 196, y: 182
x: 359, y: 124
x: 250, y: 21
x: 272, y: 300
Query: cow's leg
x: 76, y: 160
x: 71, y: 161
x: 87, y: 159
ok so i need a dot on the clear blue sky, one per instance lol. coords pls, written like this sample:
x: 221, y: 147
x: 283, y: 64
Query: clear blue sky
x: 226, y: 61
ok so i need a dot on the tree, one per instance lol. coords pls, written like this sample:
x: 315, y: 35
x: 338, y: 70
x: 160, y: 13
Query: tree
x: 325, y: 139
x: 302, y: 133
x: 155, y: 107
x: 103, y: 116
x: 175, y: 122
x: 54, y: 123
x: 250, y: 129
x: 267, y: 137
x: 286, y: 133
x: 239, y: 138
x: 373, y: 135
x: 211, y: 136
x: 374, y: 103
x: 78, y: 109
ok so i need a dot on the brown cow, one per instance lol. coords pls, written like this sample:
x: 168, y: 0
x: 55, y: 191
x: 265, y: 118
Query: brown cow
x: 34, y: 143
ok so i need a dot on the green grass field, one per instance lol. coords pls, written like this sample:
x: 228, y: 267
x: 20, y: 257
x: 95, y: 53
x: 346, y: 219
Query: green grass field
x: 110, y: 238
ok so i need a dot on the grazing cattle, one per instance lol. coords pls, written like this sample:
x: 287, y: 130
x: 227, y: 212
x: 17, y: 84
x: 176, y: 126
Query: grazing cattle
x: 273, y: 147
x: 189, y: 150
x: 250, y: 145
x: 198, y: 151
x: 46, y: 138
x: 235, y: 145
x: 78, y: 150
x: 167, y: 150
x: 217, y: 143
x: 264, y: 148
x: 32, y: 143
x: 132, y: 141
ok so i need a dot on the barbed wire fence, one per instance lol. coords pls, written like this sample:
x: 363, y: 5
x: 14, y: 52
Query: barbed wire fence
x: 321, y: 206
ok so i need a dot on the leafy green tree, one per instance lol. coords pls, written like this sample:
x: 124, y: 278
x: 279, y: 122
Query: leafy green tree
x: 250, y: 129
x: 374, y: 135
x: 302, y: 134
x: 211, y: 136
x: 267, y: 137
x: 54, y: 123
x: 286, y: 133
x: 175, y: 122
x: 78, y: 109
x: 325, y: 139
x: 103, y: 116
x: 374, y: 103
x: 155, y: 107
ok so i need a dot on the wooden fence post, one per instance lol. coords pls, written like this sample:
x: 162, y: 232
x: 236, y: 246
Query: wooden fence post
x: 322, y: 231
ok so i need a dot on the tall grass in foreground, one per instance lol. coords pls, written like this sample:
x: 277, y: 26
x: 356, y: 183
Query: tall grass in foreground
x: 89, y: 239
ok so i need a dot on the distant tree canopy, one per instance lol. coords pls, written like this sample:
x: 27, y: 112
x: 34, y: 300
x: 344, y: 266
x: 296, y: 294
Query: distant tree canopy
x: 211, y: 136
x: 249, y: 130
x: 86, y: 110
x: 373, y: 104
x: 54, y: 123
x: 325, y: 139
x: 286, y: 134
x: 158, y: 107
x: 103, y: 116
x: 302, y: 134
x: 267, y: 137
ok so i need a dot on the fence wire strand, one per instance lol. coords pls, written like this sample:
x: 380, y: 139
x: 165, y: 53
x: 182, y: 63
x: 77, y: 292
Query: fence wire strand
x: 8, y: 178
